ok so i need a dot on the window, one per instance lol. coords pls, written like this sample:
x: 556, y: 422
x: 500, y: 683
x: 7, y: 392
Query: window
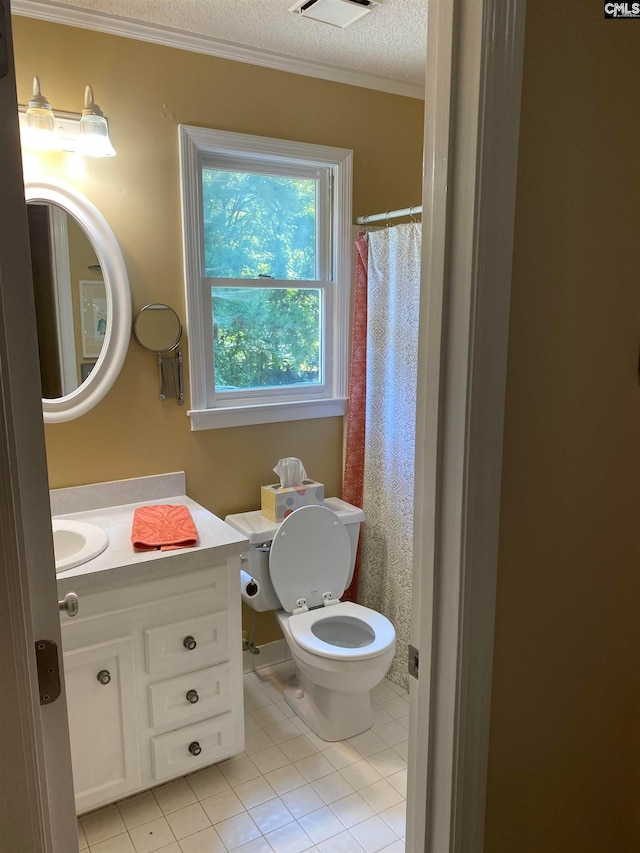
x: 267, y: 232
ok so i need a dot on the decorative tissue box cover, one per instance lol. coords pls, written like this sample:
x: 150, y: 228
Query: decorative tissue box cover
x: 277, y: 502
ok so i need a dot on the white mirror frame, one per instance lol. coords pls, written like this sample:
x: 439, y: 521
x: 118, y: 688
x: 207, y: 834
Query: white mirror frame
x: 118, y: 295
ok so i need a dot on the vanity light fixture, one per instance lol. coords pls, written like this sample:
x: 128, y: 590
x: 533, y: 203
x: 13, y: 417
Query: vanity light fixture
x: 86, y: 133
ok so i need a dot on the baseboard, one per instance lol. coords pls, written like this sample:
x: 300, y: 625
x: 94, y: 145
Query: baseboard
x: 270, y: 653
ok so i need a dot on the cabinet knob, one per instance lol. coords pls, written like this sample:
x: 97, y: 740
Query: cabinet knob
x: 189, y: 643
x: 195, y: 748
x: 192, y: 696
x: 104, y: 676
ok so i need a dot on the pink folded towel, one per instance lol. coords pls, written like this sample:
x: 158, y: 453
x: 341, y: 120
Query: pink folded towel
x: 163, y: 527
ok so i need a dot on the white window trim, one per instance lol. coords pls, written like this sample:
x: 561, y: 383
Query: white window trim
x: 195, y: 141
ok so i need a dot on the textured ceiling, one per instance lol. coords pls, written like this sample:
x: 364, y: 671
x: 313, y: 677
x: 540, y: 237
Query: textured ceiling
x: 389, y: 42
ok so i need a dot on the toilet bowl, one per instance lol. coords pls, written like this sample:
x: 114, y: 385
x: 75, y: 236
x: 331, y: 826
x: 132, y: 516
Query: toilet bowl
x: 341, y: 650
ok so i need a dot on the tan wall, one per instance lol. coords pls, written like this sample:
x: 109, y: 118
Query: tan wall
x: 147, y: 90
x: 564, y: 763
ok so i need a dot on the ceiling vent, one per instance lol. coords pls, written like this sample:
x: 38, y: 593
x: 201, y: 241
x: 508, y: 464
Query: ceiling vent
x: 338, y: 13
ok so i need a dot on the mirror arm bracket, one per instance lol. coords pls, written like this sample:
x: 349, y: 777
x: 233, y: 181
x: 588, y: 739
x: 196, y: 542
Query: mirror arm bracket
x: 171, y: 375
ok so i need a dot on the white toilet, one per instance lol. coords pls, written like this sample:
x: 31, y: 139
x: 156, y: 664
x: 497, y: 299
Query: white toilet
x: 300, y: 568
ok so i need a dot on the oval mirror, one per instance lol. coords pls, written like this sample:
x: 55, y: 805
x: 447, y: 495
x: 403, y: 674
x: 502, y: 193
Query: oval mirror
x: 157, y: 327
x: 83, y: 301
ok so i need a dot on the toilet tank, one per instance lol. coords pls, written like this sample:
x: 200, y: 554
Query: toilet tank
x: 256, y: 587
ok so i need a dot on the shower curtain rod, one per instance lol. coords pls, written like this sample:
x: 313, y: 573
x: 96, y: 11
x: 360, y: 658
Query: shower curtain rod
x: 390, y: 214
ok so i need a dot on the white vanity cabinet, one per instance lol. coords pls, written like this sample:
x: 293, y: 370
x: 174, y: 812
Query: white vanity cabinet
x: 153, y: 676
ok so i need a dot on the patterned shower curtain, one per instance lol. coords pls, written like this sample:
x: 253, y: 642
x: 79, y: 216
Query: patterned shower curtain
x: 386, y: 551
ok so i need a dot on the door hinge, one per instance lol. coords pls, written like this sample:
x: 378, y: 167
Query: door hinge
x: 48, y: 671
x: 414, y: 661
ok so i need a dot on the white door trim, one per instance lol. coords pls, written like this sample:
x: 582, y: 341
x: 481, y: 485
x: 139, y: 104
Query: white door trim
x: 474, y: 70
x: 37, y: 812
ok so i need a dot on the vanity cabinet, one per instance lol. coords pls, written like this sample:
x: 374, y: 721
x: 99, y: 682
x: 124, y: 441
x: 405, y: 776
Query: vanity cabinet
x: 153, y: 676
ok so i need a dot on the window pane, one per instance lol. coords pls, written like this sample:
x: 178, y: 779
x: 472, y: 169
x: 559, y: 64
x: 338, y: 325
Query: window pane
x: 265, y: 337
x: 259, y: 225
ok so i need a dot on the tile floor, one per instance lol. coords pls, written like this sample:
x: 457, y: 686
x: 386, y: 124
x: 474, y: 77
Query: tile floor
x: 288, y: 792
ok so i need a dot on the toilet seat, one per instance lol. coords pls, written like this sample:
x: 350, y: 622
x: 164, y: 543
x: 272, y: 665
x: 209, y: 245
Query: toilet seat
x: 310, y: 558
x: 344, y: 621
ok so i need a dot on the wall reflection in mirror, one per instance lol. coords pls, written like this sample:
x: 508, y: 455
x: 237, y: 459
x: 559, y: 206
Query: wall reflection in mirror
x: 70, y: 300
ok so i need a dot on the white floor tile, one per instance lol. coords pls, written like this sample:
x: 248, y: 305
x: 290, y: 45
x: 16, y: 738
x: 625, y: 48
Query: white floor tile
x: 82, y: 841
x: 314, y: 767
x: 285, y: 779
x: 397, y: 708
x: 298, y: 748
x: 222, y: 806
x: 188, y: 821
x: 174, y: 847
x: 341, y: 755
x: 258, y: 845
x: 139, y: 809
x: 102, y: 824
x: 368, y: 743
x: 396, y: 818
x: 237, y: 830
x: 332, y: 787
x: 238, y: 770
x: 117, y: 844
x: 285, y: 709
x: 402, y: 749
x: 391, y: 733
x: 302, y: 801
x: 360, y: 775
x: 269, y: 759
x: 380, y: 716
x: 373, y: 834
x: 387, y: 762
x: 267, y: 715
x: 255, y: 791
x: 383, y: 692
x: 255, y: 741
x: 174, y: 795
x: 321, y: 824
x: 271, y: 815
x: 399, y: 782
x: 396, y: 847
x: 205, y: 841
x: 289, y: 839
x: 284, y: 730
x: 205, y: 783
x: 343, y: 843
x: 380, y: 796
x: 151, y: 836
x: 352, y: 810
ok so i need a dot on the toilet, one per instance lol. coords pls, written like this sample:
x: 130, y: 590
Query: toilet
x: 300, y: 568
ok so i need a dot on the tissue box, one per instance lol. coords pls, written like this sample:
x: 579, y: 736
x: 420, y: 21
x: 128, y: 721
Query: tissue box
x: 277, y: 502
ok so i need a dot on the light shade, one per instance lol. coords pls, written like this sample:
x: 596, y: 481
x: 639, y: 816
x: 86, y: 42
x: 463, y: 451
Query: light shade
x: 39, y: 120
x: 94, y: 130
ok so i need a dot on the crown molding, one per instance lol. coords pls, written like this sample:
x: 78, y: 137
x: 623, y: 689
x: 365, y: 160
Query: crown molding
x: 60, y: 13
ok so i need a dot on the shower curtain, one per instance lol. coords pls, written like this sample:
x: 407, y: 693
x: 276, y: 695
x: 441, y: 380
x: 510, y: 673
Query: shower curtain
x: 386, y: 552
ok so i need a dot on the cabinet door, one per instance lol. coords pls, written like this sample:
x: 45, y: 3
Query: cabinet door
x: 102, y: 722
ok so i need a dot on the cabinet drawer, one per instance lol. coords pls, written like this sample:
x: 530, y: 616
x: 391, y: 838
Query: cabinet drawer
x: 189, y: 697
x: 176, y: 753
x: 186, y: 645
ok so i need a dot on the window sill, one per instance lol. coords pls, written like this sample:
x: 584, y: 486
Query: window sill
x: 266, y: 413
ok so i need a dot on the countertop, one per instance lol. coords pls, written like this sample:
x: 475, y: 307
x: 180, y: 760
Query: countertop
x: 119, y: 564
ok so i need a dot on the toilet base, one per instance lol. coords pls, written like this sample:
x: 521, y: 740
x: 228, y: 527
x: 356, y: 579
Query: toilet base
x: 332, y: 716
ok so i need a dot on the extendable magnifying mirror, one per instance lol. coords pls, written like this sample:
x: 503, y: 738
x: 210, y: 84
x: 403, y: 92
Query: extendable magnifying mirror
x: 158, y: 329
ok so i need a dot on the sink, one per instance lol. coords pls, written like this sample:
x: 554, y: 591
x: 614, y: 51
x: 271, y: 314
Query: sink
x: 76, y: 542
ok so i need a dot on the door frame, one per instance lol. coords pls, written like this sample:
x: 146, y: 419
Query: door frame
x: 475, y: 55
x: 474, y: 65
x: 38, y: 810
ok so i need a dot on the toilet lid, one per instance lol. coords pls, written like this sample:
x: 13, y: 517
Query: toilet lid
x: 310, y: 555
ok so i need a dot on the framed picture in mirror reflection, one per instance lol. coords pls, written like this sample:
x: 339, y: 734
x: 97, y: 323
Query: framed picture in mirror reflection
x: 93, y: 315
